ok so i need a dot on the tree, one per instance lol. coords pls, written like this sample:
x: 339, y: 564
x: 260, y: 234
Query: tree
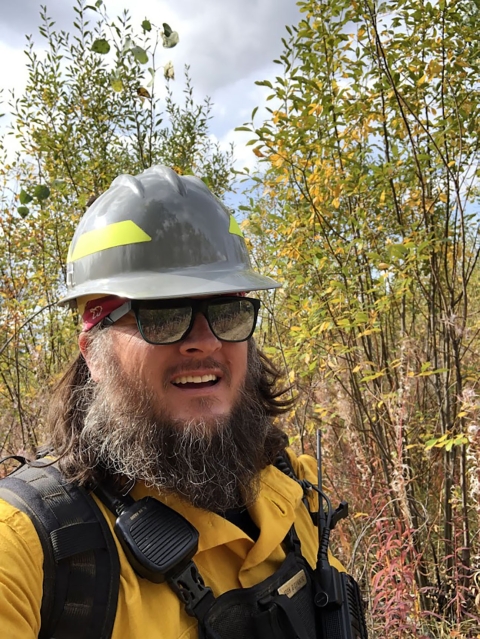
x: 369, y: 212
x: 90, y: 111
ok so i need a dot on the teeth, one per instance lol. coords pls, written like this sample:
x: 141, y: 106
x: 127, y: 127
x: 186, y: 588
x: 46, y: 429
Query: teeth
x: 197, y: 379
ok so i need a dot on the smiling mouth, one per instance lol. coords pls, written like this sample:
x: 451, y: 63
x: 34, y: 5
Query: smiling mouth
x: 196, y: 381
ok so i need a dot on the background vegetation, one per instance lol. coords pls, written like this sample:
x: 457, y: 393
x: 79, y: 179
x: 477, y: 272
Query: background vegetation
x: 365, y: 207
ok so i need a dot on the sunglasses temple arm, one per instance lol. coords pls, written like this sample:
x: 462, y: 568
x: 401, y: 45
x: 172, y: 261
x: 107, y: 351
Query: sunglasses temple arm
x: 118, y: 313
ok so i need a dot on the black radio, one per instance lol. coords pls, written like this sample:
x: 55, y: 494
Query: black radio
x: 157, y: 541
x: 340, y: 609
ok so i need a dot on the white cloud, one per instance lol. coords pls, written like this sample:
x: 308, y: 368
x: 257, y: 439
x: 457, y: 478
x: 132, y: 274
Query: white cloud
x: 227, y: 44
x: 13, y: 72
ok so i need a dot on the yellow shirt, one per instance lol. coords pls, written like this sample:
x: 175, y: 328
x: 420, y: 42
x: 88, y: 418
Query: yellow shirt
x: 227, y: 558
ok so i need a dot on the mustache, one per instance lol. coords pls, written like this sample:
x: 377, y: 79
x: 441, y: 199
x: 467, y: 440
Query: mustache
x: 208, y: 363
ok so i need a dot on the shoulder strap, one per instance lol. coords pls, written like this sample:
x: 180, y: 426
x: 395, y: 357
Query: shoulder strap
x: 81, y: 565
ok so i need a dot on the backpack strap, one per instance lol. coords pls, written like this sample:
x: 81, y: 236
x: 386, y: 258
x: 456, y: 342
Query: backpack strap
x: 81, y: 565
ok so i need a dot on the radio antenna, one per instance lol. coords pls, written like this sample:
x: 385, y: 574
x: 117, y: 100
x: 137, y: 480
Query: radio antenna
x: 321, y: 512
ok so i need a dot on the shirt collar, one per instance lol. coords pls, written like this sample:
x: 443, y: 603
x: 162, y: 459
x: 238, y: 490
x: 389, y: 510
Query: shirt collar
x: 278, y: 498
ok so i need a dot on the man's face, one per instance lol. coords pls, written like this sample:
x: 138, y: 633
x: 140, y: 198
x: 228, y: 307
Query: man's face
x: 147, y: 420
x: 172, y: 373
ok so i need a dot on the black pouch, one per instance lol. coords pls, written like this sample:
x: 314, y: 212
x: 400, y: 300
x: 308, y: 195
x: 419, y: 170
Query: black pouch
x: 280, y: 607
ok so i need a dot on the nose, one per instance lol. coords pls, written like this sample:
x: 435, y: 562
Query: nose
x: 200, y: 340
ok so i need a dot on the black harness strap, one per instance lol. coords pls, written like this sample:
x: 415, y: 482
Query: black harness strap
x: 81, y: 565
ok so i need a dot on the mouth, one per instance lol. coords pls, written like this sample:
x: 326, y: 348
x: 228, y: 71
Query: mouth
x: 196, y: 382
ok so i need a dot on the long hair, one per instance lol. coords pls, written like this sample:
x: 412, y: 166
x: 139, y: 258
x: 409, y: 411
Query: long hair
x: 72, y: 395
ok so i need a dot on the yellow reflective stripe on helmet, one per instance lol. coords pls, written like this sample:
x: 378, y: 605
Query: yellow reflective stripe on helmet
x: 117, y: 234
x: 234, y: 228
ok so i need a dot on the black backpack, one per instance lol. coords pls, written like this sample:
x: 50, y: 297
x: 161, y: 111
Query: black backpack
x: 81, y: 565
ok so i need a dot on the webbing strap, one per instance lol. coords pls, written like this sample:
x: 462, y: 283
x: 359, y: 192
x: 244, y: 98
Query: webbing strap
x: 81, y: 565
x: 75, y: 539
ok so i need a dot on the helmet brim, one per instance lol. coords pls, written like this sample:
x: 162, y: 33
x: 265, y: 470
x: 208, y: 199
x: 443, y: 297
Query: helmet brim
x: 187, y: 283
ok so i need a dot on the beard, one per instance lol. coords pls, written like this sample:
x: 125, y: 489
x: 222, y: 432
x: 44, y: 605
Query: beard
x: 213, y: 463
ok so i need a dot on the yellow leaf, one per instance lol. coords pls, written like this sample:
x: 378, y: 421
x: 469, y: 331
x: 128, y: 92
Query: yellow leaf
x: 279, y: 115
x: 442, y: 197
x: 368, y: 331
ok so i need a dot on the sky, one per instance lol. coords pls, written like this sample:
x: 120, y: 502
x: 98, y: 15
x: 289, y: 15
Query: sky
x: 227, y: 43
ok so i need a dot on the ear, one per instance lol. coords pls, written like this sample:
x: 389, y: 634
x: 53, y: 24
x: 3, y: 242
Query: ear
x: 83, y: 344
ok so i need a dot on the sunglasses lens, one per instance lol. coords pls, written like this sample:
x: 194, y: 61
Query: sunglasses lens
x: 164, y: 325
x: 232, y: 321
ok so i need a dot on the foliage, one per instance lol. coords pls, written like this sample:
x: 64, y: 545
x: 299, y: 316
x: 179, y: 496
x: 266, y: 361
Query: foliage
x: 90, y: 111
x: 368, y: 211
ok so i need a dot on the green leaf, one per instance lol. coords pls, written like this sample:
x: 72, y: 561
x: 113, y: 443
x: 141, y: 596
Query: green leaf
x: 101, y: 46
x: 146, y: 25
x: 167, y: 29
x: 369, y: 378
x: 127, y: 46
x: 24, y: 197
x: 41, y: 192
x: 98, y: 3
x: 140, y: 55
x: 116, y: 84
x: 171, y: 40
x: 264, y: 83
x: 23, y: 211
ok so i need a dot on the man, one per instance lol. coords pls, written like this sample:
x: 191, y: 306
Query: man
x: 169, y: 398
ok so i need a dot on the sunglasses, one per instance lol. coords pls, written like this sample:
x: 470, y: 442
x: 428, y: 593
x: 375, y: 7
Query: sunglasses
x: 161, y: 322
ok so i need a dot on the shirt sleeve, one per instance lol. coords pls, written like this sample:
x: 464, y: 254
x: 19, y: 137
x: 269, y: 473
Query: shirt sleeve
x: 21, y: 575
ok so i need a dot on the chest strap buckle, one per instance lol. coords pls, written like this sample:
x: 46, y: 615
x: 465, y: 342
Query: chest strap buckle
x: 189, y: 586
